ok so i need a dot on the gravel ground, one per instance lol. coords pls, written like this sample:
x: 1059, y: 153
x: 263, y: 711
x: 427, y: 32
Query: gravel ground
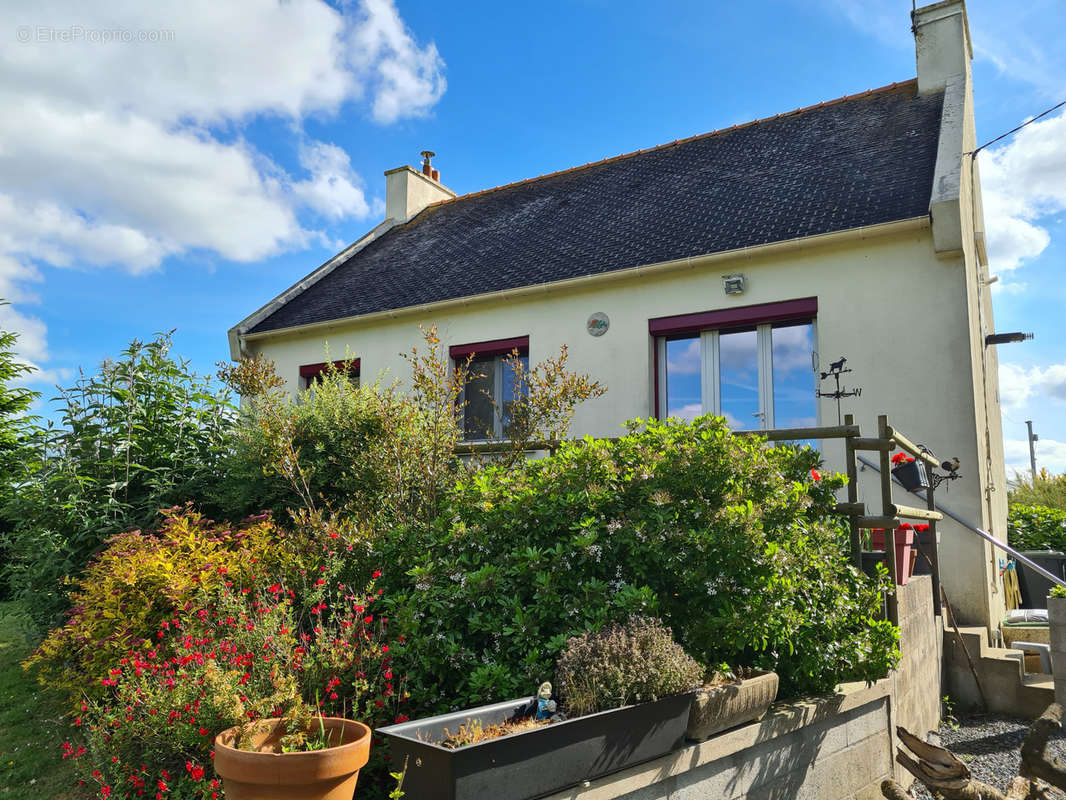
x: 989, y: 744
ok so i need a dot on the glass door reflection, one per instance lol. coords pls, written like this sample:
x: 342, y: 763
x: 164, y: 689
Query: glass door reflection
x: 738, y: 379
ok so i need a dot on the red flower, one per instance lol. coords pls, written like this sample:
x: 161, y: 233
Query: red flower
x: 815, y: 475
x: 901, y: 458
x: 377, y: 574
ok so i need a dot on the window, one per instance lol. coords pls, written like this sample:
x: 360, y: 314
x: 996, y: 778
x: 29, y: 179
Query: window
x: 491, y: 386
x: 310, y: 374
x: 754, y: 365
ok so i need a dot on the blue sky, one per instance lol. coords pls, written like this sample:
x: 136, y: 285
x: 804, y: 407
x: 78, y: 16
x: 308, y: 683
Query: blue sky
x: 181, y: 179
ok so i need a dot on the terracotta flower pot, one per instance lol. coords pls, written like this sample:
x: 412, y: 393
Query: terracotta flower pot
x: 904, y: 543
x: 265, y: 773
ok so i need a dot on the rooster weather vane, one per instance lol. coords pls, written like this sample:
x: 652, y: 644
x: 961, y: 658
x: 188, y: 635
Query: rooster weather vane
x: 836, y: 369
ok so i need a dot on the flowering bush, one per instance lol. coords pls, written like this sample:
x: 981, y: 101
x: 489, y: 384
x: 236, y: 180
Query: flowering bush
x: 247, y: 655
x: 734, y: 544
x: 634, y: 662
x: 143, y: 579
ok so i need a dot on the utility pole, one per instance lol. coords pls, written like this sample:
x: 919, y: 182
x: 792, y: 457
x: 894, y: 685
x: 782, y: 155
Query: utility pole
x: 1033, y: 439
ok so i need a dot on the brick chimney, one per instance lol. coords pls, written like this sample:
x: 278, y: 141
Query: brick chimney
x: 408, y: 191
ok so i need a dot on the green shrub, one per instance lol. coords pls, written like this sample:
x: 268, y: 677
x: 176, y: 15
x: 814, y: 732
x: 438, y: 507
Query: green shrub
x: 732, y: 543
x: 373, y: 452
x: 367, y: 451
x: 1036, y: 528
x: 142, y: 434
x: 633, y: 662
x: 1043, y: 489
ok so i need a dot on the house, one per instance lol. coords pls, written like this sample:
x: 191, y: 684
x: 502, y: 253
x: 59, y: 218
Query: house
x: 718, y: 273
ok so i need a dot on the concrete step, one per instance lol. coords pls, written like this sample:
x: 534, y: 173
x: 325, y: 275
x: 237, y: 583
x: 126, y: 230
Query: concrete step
x: 1007, y: 689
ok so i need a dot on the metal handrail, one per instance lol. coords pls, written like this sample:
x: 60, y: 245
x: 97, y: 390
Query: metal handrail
x: 983, y: 534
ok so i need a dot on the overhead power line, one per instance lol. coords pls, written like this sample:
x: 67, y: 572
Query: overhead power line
x: 1015, y: 130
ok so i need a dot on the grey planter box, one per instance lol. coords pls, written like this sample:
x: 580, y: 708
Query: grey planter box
x: 1056, y: 617
x: 537, y: 762
x: 723, y: 707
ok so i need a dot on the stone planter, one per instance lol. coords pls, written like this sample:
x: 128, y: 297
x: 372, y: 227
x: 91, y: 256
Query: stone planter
x: 533, y: 763
x: 720, y: 708
x: 265, y: 773
x: 1056, y: 617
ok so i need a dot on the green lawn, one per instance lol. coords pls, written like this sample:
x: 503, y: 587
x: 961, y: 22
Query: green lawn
x: 32, y: 725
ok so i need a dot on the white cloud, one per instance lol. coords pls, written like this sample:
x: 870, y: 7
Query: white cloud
x: 408, y: 80
x: 1050, y: 454
x: 32, y: 343
x: 121, y: 153
x: 683, y: 357
x: 1017, y: 384
x: 1009, y: 287
x: 333, y: 189
x: 1022, y: 182
x: 687, y: 412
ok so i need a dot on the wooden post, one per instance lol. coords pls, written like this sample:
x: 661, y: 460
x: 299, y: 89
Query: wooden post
x: 853, y: 495
x: 887, y: 509
x: 934, y: 551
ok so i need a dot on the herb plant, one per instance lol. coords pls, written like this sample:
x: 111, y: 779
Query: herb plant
x: 633, y: 662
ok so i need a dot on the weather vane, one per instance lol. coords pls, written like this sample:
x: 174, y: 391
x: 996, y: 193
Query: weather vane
x: 836, y: 369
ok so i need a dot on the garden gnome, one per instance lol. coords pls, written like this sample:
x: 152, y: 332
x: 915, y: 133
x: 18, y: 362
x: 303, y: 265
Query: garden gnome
x: 545, y: 705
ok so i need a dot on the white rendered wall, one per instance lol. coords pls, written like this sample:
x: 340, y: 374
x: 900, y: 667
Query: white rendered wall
x: 905, y: 319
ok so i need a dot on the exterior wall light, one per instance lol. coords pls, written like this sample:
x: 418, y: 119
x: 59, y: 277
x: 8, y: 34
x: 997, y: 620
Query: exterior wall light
x: 734, y: 284
x: 1004, y: 338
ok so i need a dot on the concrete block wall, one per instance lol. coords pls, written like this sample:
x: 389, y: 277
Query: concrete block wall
x: 917, y: 681
x: 1056, y: 609
x: 838, y: 747
x: 833, y: 747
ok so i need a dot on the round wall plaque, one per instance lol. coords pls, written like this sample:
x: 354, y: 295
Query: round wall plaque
x: 598, y: 324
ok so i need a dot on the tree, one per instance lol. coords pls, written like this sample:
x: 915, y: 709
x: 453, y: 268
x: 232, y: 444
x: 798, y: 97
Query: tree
x: 143, y: 434
x: 14, y: 400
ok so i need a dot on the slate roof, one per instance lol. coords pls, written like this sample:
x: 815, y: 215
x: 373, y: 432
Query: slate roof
x: 860, y: 160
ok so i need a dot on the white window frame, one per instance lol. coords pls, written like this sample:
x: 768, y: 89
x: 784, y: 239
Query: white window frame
x: 710, y: 371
